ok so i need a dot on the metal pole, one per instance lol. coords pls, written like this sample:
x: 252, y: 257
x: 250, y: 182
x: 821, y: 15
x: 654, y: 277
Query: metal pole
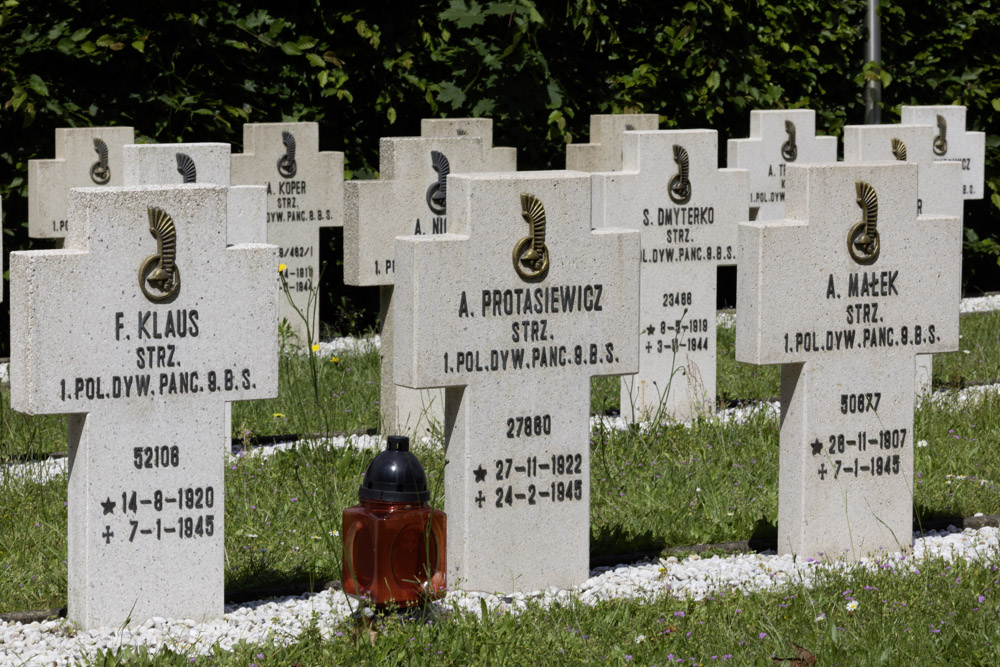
x: 873, y: 54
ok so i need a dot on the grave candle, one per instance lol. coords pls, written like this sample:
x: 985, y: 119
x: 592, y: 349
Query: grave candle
x: 394, y: 541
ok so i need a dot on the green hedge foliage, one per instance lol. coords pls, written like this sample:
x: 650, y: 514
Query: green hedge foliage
x: 196, y: 71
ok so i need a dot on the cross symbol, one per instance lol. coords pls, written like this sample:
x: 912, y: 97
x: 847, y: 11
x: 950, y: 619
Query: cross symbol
x: 823, y: 471
x: 107, y: 535
x: 77, y: 156
x: 406, y: 199
x: 83, y: 362
x: 604, y: 151
x: 951, y: 142
x: 681, y: 252
x: 305, y: 191
x: 939, y: 184
x: 466, y: 266
x: 771, y: 146
x: 916, y: 282
x: 480, y: 499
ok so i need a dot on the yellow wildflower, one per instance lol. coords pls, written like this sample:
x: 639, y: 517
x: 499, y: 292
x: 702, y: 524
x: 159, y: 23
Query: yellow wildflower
x: 334, y: 360
x: 315, y: 347
x: 282, y: 267
x: 278, y: 414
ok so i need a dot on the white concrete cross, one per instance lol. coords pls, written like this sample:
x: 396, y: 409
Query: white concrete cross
x: 164, y: 164
x: 499, y: 159
x: 85, y: 157
x: 777, y: 138
x: 939, y: 191
x: 201, y: 163
x: 952, y: 142
x: 409, y: 197
x: 513, y: 311
x: 176, y: 325
x: 305, y: 191
x: 604, y: 151
x: 844, y: 293
x: 177, y: 164
x: 687, y: 210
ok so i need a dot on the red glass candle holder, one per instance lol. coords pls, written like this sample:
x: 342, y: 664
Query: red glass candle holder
x: 394, y: 541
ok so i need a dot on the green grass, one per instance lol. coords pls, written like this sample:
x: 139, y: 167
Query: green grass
x: 671, y: 486
x: 946, y: 614
x: 349, y: 388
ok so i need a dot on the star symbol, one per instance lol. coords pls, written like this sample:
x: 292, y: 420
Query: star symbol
x: 480, y: 473
x: 650, y: 330
x: 108, y: 505
x: 817, y: 447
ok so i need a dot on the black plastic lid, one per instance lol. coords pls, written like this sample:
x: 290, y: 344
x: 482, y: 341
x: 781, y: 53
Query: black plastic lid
x: 395, y: 475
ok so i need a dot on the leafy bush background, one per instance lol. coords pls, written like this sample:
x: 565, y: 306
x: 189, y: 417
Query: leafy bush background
x: 196, y: 71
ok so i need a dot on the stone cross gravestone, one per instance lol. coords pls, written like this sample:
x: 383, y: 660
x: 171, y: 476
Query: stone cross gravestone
x: 939, y: 191
x: 200, y: 163
x: 687, y: 210
x: 604, y: 151
x: 85, y: 157
x: 777, y: 138
x: 177, y: 164
x: 177, y: 324
x: 844, y: 293
x: 409, y: 197
x: 305, y: 191
x: 512, y: 312
x: 952, y: 142
x: 163, y: 164
x: 498, y: 159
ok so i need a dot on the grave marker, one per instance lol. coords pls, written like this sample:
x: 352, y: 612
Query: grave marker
x: 499, y: 159
x: 176, y: 324
x: 305, y: 191
x: 952, y: 142
x: 939, y: 191
x: 176, y: 164
x: 163, y: 164
x: 687, y: 211
x: 410, y: 197
x: 85, y: 157
x: 844, y: 293
x: 604, y: 151
x: 777, y: 138
x: 512, y: 312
